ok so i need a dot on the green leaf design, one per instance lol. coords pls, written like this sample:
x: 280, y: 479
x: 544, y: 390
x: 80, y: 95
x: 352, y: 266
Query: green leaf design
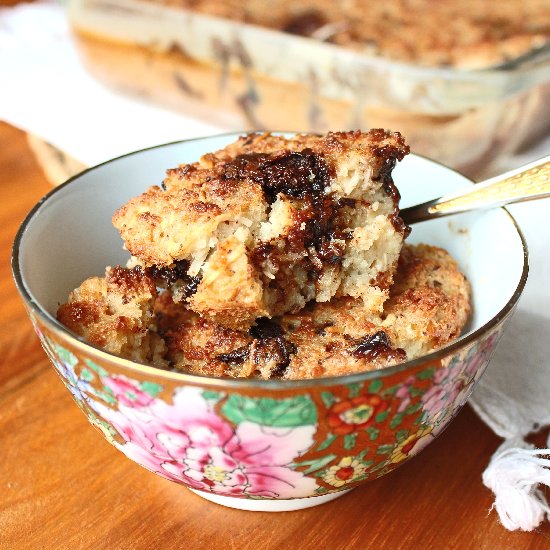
x: 375, y: 386
x: 427, y: 373
x: 316, y: 464
x: 415, y: 392
x: 327, y: 442
x: 108, y: 398
x: 328, y: 399
x: 420, y: 418
x: 212, y: 395
x: 373, y: 433
x: 384, y: 449
x: 86, y: 375
x: 362, y: 454
x: 362, y: 477
x: 151, y: 388
x: 103, y: 423
x: 65, y: 355
x: 95, y: 367
x: 354, y: 389
x: 381, y: 416
x: 396, y: 420
x: 411, y: 409
x: 349, y: 441
x: 401, y: 435
x: 368, y: 463
x: 321, y: 490
x: 378, y: 467
x: 284, y: 413
x: 391, y: 390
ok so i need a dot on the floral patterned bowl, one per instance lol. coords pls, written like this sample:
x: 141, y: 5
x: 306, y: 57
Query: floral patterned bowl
x: 249, y: 444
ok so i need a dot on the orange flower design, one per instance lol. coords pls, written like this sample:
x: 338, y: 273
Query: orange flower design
x: 412, y: 445
x: 354, y: 414
x: 346, y: 471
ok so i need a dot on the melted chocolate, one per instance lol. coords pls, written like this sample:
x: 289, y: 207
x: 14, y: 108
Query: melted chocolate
x: 376, y: 345
x: 385, y: 176
x: 191, y: 286
x: 294, y: 174
x: 167, y: 276
x: 269, y: 345
x: 301, y: 175
x: 346, y: 201
x: 266, y: 328
x: 306, y: 23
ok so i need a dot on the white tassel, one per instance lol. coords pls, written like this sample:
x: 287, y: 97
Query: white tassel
x: 514, y: 473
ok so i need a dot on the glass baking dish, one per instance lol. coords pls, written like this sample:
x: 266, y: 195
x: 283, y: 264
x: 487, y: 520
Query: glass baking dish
x: 242, y: 76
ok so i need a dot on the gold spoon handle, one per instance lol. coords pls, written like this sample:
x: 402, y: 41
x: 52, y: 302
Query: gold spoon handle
x: 529, y: 182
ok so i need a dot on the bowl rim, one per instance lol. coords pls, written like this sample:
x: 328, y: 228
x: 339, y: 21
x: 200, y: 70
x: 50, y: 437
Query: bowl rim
x: 245, y: 383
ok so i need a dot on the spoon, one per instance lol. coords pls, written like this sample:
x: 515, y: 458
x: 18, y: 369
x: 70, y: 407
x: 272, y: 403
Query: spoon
x: 526, y: 183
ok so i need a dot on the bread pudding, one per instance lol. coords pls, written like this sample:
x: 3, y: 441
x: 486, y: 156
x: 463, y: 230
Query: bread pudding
x: 429, y: 304
x: 466, y: 34
x: 274, y: 258
x: 269, y: 224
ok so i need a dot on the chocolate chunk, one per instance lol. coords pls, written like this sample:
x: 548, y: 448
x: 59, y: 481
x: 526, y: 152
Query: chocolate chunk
x: 375, y: 345
x: 169, y: 275
x: 385, y: 176
x: 166, y: 276
x: 273, y: 350
x: 191, y: 285
x: 270, y: 345
x: 295, y: 174
x: 266, y: 328
x: 305, y: 23
x: 235, y: 357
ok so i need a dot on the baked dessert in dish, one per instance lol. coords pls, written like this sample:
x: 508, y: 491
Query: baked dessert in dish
x: 268, y: 224
x: 274, y: 257
x: 466, y: 82
x: 476, y: 33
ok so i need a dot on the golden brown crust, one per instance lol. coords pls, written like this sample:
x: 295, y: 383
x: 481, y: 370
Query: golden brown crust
x: 269, y: 223
x: 430, y: 300
x: 428, y: 307
x: 115, y: 313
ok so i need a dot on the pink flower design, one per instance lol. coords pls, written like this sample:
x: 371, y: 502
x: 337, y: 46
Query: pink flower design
x: 189, y: 443
x: 127, y: 392
x: 438, y: 399
x: 480, y: 355
x: 403, y: 393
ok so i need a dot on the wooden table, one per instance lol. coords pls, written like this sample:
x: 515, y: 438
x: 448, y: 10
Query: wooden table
x: 63, y: 486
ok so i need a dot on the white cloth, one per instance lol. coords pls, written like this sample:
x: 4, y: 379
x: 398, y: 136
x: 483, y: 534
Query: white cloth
x: 45, y: 90
x: 515, y: 474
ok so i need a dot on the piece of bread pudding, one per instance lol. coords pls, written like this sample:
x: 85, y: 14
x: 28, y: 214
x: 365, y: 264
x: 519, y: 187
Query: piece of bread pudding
x: 269, y: 224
